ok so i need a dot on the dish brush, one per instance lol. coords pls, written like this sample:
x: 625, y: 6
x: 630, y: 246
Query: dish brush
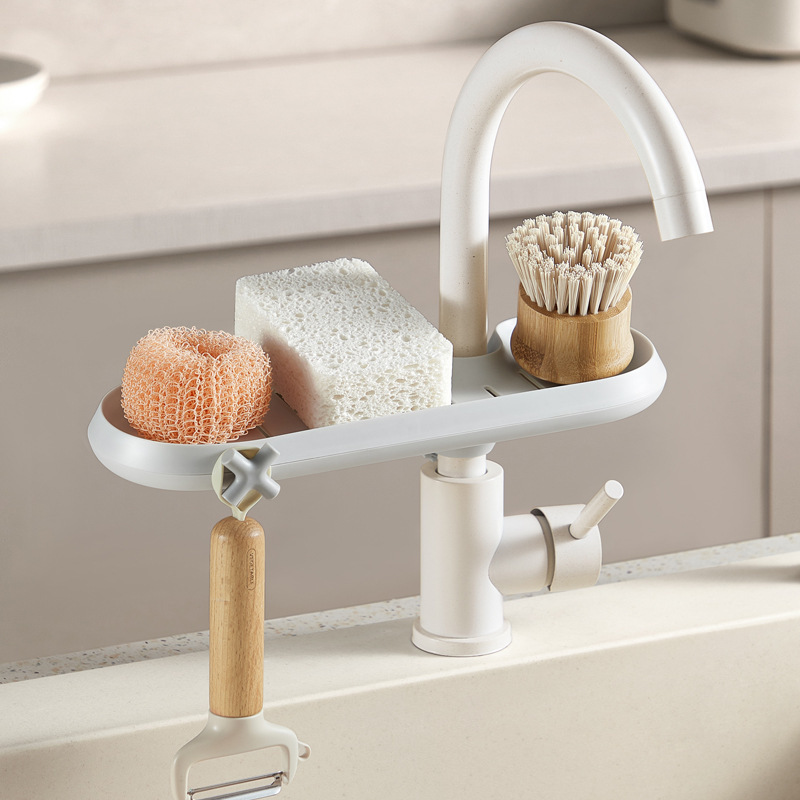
x: 574, y: 304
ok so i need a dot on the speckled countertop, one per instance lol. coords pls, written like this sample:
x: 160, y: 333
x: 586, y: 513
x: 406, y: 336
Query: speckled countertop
x: 405, y: 608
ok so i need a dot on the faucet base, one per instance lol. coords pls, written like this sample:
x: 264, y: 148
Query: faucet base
x: 461, y: 646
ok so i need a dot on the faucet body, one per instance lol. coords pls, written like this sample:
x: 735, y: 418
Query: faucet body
x: 461, y: 526
x: 470, y: 553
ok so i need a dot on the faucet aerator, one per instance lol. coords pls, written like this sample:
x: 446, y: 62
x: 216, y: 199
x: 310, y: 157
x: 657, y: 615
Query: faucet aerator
x: 683, y: 215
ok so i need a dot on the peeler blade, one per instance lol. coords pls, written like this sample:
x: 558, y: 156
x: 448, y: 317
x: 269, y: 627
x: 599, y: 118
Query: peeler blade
x: 270, y: 785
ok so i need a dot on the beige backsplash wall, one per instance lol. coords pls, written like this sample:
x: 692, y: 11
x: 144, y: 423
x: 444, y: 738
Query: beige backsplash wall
x: 91, y: 36
x: 88, y: 559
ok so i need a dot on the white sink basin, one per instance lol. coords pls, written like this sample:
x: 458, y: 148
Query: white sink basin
x: 681, y: 686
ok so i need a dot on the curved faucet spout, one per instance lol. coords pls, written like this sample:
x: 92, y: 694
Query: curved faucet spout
x: 669, y: 162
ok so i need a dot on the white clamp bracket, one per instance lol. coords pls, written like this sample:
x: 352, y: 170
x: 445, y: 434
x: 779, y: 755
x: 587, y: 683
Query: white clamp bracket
x: 252, y: 478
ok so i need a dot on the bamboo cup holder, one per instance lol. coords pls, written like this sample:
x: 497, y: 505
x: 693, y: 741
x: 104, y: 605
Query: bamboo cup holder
x: 572, y: 349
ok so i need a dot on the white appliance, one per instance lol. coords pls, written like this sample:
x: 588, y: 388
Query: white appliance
x: 756, y: 27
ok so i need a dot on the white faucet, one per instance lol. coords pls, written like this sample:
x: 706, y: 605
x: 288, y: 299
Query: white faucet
x: 470, y: 553
x: 679, y: 195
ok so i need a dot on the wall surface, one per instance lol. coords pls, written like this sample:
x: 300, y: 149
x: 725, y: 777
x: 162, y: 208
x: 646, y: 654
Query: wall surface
x: 87, y: 559
x: 784, y: 464
x: 92, y: 36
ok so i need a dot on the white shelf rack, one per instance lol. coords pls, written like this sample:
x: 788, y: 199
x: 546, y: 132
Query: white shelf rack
x: 494, y: 400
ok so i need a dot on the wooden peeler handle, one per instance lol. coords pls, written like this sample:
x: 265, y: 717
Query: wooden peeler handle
x: 236, y: 635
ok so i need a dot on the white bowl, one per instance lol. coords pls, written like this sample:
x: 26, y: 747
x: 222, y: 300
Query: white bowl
x: 22, y: 82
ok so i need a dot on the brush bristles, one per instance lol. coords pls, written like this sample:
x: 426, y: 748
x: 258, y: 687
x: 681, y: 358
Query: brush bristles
x: 573, y: 263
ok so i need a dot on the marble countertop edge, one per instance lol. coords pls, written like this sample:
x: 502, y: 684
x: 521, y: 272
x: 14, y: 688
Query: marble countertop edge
x: 398, y: 609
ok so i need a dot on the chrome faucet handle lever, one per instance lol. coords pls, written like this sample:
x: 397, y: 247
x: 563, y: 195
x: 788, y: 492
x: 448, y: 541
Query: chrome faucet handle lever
x: 594, y: 511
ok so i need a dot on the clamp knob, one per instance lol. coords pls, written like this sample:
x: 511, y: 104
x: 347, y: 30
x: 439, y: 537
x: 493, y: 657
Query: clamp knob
x: 251, y: 479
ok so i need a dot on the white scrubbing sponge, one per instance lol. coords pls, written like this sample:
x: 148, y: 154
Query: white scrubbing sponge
x: 343, y: 344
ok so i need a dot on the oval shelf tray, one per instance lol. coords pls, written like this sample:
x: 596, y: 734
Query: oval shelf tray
x: 494, y: 400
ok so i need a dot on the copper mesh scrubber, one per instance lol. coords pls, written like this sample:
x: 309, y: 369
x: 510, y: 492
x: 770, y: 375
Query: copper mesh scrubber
x: 192, y: 386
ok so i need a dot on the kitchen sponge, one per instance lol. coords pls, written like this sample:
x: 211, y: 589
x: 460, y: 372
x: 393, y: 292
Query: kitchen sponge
x: 343, y: 344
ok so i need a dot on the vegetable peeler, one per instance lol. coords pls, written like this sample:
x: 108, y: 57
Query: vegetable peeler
x: 236, y: 722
